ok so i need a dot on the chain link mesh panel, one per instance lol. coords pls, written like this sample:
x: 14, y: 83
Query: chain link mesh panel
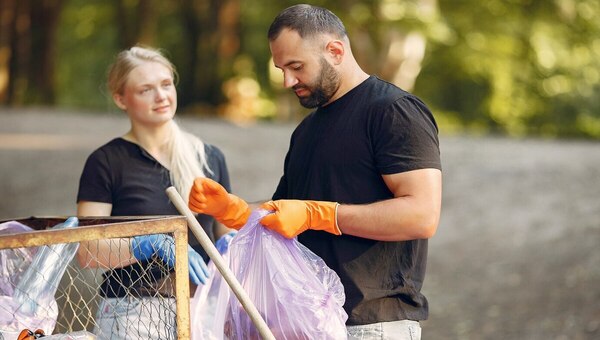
x: 139, y: 302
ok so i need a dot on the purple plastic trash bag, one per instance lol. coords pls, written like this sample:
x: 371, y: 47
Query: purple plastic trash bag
x: 295, y: 292
x: 209, y: 303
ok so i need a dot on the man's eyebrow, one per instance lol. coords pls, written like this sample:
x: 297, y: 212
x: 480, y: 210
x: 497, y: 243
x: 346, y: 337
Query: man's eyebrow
x: 292, y: 62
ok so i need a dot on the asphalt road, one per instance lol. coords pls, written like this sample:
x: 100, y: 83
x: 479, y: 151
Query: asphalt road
x: 516, y: 256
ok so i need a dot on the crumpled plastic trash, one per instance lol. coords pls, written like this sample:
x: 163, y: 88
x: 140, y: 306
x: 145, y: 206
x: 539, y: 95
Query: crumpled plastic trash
x: 13, y: 262
x: 32, y: 304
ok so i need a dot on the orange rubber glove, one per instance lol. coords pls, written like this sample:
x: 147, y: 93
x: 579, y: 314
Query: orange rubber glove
x: 292, y: 217
x: 209, y: 197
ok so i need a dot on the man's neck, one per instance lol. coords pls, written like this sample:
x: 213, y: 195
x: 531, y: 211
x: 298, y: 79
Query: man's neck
x: 348, y: 83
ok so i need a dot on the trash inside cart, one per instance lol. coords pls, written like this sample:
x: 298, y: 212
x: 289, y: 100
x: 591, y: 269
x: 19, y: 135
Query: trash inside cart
x: 42, y: 289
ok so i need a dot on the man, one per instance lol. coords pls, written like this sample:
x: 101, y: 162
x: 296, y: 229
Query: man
x: 362, y: 178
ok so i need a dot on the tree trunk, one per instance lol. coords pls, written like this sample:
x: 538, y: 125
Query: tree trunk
x: 8, y: 13
x: 32, y: 64
x: 213, y: 27
x: 147, y: 21
x: 207, y: 84
x: 125, y: 24
x: 137, y: 25
x: 43, y: 41
x: 21, y: 48
x: 187, y: 78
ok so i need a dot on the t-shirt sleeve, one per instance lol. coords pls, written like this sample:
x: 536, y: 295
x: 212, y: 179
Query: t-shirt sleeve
x: 406, y: 137
x: 95, y: 184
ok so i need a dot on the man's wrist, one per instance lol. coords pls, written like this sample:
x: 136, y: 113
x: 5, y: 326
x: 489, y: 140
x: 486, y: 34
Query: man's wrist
x: 335, y: 220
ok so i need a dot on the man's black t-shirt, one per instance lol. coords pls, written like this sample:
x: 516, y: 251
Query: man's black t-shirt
x: 339, y: 153
x: 125, y: 175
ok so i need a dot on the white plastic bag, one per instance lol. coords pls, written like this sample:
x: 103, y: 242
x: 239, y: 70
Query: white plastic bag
x: 32, y: 304
x: 13, y: 262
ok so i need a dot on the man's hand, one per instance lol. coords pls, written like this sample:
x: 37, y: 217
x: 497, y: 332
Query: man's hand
x: 292, y: 217
x: 209, y: 197
x: 163, y: 246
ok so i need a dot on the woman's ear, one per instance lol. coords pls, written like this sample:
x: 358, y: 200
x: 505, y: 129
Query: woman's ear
x: 118, y: 99
x: 336, y: 51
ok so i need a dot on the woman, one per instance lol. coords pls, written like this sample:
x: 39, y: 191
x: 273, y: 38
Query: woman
x: 128, y: 177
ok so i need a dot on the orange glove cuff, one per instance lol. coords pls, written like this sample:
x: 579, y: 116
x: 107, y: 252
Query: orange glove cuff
x: 324, y: 216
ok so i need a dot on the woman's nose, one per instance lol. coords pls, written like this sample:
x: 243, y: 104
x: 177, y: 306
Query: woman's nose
x: 160, y: 94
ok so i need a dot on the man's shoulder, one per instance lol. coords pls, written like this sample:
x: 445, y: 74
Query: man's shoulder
x: 385, y: 94
x: 385, y: 91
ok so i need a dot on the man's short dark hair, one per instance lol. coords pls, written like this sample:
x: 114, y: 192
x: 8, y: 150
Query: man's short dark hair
x: 308, y: 21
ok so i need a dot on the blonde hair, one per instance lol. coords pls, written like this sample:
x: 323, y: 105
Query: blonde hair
x: 187, y: 156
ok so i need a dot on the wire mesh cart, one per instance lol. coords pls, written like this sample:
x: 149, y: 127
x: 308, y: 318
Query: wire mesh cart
x: 77, y: 294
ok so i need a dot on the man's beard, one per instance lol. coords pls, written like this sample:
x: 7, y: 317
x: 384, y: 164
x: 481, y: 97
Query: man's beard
x: 323, y: 88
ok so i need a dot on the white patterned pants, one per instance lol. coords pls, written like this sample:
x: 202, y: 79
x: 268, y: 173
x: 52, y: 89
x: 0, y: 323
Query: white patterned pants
x: 397, y: 330
x: 136, y: 318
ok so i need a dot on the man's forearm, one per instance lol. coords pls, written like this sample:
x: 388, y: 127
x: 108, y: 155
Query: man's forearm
x: 397, y: 219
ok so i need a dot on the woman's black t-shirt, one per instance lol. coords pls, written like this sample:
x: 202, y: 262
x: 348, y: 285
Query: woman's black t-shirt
x: 125, y: 175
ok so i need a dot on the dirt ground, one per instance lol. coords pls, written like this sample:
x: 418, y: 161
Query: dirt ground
x: 516, y: 256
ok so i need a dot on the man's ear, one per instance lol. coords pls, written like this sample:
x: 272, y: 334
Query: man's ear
x: 118, y: 99
x: 336, y: 50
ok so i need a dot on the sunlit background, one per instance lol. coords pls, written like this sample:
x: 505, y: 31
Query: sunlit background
x: 519, y: 67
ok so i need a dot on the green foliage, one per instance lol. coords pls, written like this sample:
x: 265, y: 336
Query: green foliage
x: 516, y: 67
x: 525, y: 68
x: 86, y: 44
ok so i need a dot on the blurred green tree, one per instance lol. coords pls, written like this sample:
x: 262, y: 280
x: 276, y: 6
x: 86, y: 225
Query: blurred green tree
x: 517, y: 67
x: 520, y: 67
x: 27, y: 51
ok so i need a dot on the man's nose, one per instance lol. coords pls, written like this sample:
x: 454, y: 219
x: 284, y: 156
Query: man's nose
x: 289, y: 80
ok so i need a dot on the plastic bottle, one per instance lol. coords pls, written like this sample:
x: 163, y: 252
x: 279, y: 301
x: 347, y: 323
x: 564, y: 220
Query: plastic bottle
x: 40, y: 281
